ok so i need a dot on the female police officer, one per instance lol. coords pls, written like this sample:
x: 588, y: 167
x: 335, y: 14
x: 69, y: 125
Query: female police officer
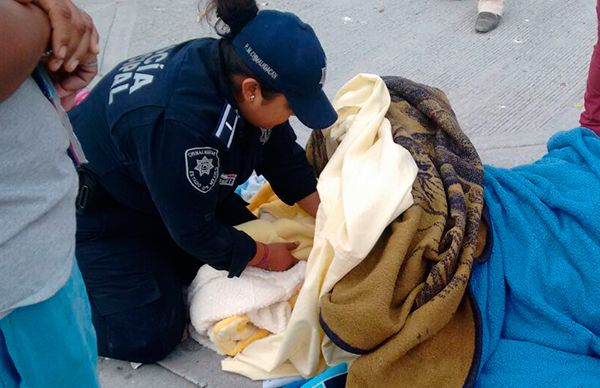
x: 169, y: 135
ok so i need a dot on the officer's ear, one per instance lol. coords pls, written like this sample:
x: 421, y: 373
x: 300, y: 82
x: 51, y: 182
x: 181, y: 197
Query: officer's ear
x: 250, y: 90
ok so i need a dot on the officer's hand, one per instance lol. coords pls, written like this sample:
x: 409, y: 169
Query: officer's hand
x: 278, y: 257
x: 74, y: 36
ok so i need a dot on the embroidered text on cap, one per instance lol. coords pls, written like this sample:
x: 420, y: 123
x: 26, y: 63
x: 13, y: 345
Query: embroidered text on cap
x: 258, y: 60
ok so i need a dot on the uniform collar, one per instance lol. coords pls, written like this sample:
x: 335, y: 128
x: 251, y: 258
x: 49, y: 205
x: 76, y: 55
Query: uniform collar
x: 216, y: 70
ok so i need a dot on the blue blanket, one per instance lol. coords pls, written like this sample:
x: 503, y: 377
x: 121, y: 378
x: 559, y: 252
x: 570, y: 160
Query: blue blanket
x: 539, y: 291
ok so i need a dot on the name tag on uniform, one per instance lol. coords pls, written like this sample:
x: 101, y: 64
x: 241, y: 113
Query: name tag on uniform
x: 227, y: 123
x: 227, y: 179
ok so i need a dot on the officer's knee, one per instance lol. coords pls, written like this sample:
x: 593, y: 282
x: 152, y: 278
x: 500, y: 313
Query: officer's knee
x: 155, y: 347
x: 145, y: 339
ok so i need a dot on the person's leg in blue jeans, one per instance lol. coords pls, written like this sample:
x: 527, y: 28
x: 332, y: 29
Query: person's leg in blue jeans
x: 51, y: 344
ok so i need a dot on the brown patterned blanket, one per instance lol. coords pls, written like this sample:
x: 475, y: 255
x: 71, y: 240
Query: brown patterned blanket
x: 404, y: 308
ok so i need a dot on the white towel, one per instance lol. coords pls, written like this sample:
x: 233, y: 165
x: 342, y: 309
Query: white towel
x: 213, y: 296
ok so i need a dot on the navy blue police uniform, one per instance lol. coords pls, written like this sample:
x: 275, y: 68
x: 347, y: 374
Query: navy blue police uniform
x: 166, y: 143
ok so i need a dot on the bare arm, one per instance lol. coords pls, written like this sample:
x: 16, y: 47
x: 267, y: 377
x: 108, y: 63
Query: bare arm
x: 24, y: 36
x: 310, y: 203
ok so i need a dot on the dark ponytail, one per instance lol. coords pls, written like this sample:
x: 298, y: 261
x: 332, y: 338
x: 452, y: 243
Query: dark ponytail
x: 231, y: 15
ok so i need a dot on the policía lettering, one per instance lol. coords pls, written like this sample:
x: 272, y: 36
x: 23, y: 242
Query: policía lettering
x: 134, y: 74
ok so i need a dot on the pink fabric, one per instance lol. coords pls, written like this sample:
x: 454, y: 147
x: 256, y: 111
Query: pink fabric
x: 590, y: 118
x: 80, y: 96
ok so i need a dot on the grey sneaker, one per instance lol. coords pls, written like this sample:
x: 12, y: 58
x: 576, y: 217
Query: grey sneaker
x: 487, y: 21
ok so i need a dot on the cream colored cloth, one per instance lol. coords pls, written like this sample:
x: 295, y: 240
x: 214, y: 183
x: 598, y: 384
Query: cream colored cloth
x: 366, y: 184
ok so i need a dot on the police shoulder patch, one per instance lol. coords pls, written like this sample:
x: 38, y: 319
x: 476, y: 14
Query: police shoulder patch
x: 226, y: 126
x: 202, y: 167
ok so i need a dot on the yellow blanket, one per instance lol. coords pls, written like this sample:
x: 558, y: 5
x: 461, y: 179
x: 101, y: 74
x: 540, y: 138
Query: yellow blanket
x: 233, y: 334
x: 228, y: 314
